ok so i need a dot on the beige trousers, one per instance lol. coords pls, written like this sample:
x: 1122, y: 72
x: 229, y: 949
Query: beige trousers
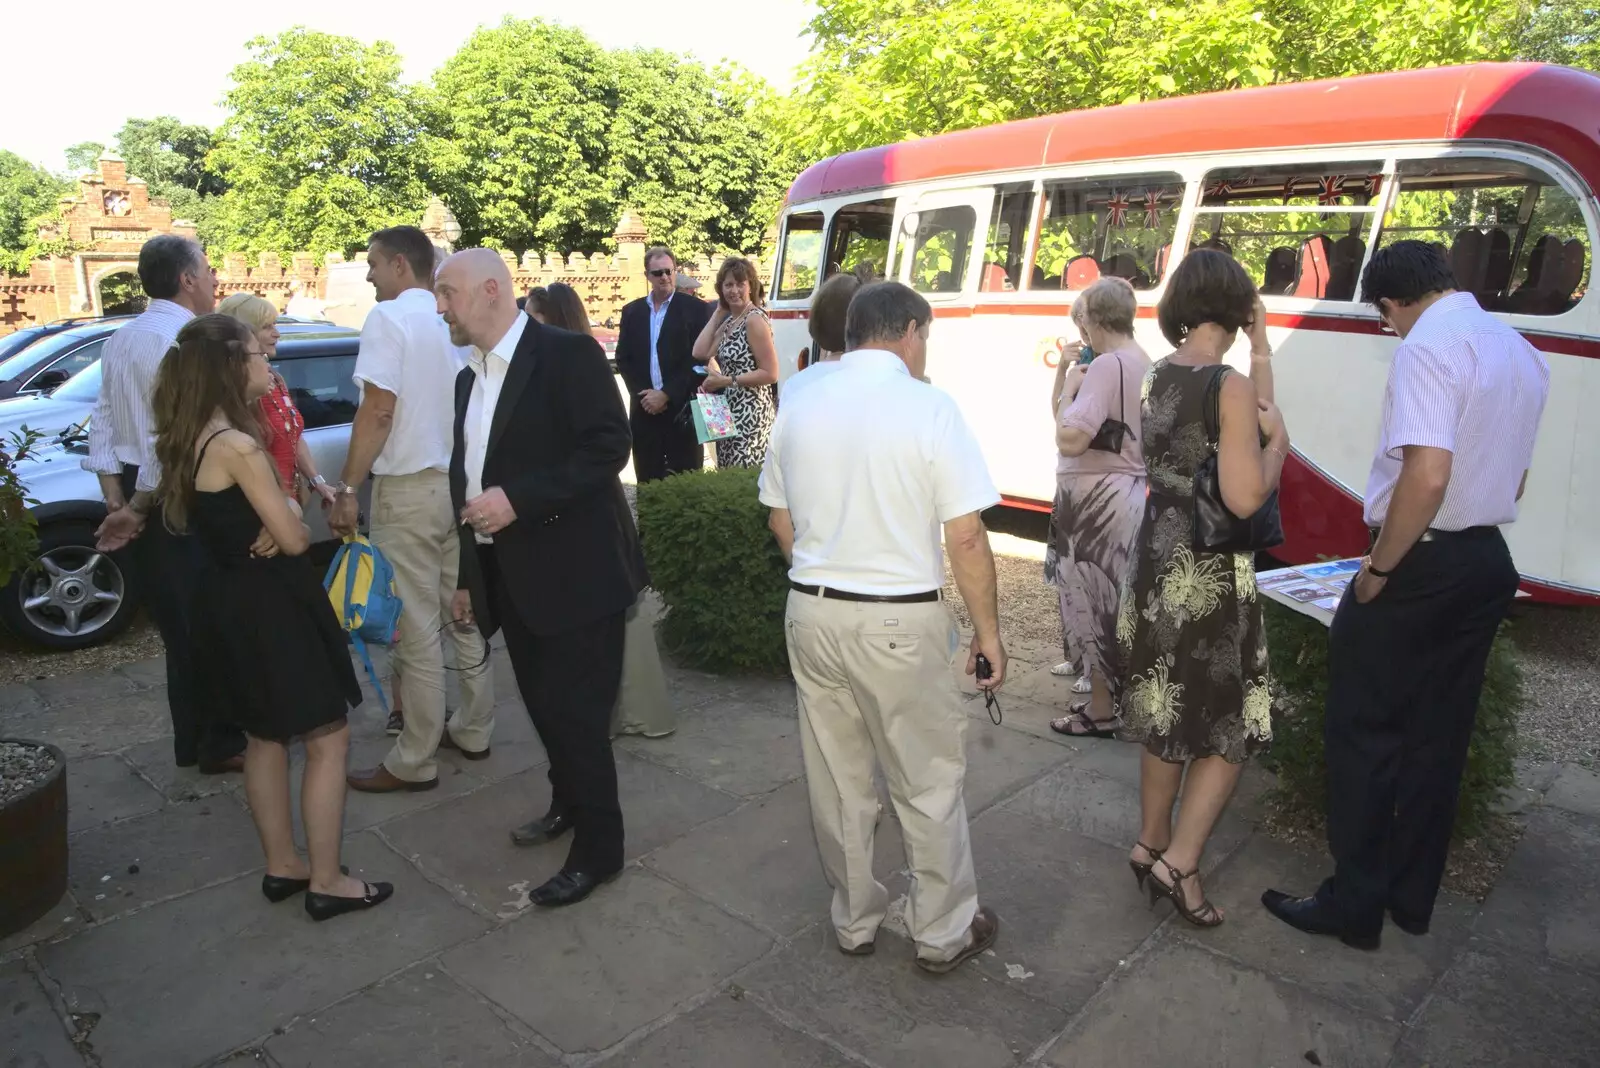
x: 643, y: 705
x: 413, y: 525
x: 874, y: 682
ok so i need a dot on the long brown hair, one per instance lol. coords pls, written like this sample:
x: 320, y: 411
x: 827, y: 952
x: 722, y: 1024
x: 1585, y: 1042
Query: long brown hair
x: 745, y: 271
x: 561, y: 307
x: 206, y: 371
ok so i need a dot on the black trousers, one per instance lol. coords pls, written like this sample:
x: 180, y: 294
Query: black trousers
x: 167, y: 570
x: 1405, y: 674
x: 568, y: 682
x: 663, y: 444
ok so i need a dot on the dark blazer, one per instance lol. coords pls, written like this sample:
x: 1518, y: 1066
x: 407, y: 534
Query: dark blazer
x: 558, y: 439
x: 686, y: 317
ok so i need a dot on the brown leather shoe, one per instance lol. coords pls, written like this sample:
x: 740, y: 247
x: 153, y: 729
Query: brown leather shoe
x: 447, y: 742
x: 380, y: 780
x: 222, y: 767
x: 985, y: 929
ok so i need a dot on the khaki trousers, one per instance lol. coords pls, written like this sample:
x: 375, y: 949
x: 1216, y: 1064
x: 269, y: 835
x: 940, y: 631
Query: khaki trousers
x: 643, y: 705
x: 414, y: 526
x: 874, y: 681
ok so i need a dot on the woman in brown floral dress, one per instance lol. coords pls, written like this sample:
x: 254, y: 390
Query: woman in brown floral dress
x: 1196, y: 690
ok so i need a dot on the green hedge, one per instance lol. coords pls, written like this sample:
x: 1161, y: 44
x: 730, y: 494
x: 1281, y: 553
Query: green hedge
x: 718, y: 571
x: 1298, y: 648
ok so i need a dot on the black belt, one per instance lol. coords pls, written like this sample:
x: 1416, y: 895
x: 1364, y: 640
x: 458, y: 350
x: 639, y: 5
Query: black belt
x: 865, y: 598
x: 1432, y: 534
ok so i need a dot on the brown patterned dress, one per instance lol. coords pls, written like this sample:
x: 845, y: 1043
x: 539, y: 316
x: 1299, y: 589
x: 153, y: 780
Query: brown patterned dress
x: 1196, y: 682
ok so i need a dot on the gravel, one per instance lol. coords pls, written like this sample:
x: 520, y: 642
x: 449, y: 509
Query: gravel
x: 22, y: 767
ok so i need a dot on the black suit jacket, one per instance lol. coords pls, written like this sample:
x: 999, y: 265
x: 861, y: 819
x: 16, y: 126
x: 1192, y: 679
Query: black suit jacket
x: 557, y: 441
x: 686, y: 317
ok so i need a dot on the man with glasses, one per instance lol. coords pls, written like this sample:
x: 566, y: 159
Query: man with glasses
x: 181, y: 284
x: 655, y: 356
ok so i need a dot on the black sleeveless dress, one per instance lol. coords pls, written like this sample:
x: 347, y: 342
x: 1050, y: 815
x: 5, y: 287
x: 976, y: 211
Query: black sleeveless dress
x: 268, y: 649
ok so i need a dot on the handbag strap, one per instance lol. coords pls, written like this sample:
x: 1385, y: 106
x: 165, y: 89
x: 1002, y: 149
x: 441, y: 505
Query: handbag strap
x: 1211, y: 412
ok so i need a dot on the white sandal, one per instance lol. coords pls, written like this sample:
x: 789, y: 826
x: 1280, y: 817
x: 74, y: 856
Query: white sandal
x: 1064, y: 669
x: 1083, y: 685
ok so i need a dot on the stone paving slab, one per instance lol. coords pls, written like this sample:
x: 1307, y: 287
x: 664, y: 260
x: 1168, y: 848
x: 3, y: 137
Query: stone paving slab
x: 1548, y: 898
x: 1179, y: 1005
x: 743, y: 747
x: 494, y: 876
x: 729, y: 1033
x: 893, y: 1013
x: 188, y: 980
x: 104, y: 789
x: 31, y: 1035
x: 1497, y: 1008
x: 1000, y: 762
x: 62, y: 921
x: 585, y: 977
x: 1576, y: 790
x: 1388, y: 984
x: 84, y: 720
x: 154, y: 762
x: 420, y: 1017
x: 175, y: 851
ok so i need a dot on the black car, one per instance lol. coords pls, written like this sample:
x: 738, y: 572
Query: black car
x: 53, y: 355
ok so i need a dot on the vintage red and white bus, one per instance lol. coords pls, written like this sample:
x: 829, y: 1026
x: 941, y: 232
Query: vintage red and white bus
x: 997, y: 227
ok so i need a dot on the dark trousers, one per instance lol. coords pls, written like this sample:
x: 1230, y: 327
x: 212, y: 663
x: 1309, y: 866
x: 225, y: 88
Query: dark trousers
x: 1405, y: 673
x: 663, y: 444
x: 167, y: 570
x: 568, y: 682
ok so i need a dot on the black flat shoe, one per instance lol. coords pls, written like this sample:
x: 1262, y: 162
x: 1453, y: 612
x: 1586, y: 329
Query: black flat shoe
x: 546, y: 828
x: 281, y: 888
x: 326, y: 906
x: 569, y: 888
x: 1313, y: 917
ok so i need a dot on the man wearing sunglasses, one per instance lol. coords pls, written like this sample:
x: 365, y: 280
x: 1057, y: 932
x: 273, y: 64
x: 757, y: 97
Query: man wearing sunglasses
x: 655, y: 356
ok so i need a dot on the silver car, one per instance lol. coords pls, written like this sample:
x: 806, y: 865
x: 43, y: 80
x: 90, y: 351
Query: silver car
x: 74, y: 596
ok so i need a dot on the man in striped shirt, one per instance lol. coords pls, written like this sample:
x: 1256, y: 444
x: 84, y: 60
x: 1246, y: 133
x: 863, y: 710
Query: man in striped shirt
x: 1410, y: 641
x: 122, y: 452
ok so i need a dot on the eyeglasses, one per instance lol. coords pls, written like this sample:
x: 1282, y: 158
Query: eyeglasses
x: 659, y: 272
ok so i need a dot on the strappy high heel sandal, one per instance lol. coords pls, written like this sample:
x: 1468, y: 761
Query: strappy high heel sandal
x: 1204, y: 916
x: 1141, y: 872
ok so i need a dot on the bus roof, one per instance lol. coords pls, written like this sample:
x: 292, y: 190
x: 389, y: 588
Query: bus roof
x: 1529, y: 103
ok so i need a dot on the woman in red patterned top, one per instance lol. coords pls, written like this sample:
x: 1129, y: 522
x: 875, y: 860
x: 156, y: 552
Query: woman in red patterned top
x: 285, y: 428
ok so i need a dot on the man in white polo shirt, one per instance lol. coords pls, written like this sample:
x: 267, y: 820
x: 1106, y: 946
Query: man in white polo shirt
x: 864, y: 469
x: 403, y: 434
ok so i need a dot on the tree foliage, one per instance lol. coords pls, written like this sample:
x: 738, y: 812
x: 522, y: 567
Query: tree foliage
x: 1559, y: 31
x: 81, y: 157
x: 28, y: 194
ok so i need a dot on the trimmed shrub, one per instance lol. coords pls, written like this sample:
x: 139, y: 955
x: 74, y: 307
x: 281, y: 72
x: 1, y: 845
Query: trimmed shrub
x: 718, y: 570
x: 1298, y: 648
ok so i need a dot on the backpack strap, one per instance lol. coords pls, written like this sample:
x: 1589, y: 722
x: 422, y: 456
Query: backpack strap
x: 372, y: 672
x: 353, y: 565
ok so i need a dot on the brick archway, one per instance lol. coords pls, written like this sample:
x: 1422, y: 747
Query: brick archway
x: 116, y: 291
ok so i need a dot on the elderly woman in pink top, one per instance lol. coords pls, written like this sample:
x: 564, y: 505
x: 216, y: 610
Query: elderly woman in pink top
x: 1100, y: 497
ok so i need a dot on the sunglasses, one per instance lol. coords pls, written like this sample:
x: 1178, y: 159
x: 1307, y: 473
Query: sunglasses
x: 659, y: 272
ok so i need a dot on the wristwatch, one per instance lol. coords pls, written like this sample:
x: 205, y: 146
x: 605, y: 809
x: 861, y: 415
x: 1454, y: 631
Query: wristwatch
x: 318, y: 480
x: 342, y: 490
x: 1373, y: 570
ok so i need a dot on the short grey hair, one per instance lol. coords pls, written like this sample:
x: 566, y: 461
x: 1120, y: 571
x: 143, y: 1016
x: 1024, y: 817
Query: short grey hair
x: 883, y: 311
x: 1108, y: 304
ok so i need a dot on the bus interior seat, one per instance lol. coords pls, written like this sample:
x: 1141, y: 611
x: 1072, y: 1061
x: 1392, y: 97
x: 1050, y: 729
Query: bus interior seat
x: 944, y: 282
x: 1278, y: 278
x: 1469, y: 260
x: 1497, y: 275
x: 995, y: 279
x: 1080, y: 272
x: 1344, y: 267
x: 1122, y: 265
x: 1536, y: 294
x: 1571, y: 274
x: 1218, y: 245
x: 1040, y: 280
x: 1313, y: 280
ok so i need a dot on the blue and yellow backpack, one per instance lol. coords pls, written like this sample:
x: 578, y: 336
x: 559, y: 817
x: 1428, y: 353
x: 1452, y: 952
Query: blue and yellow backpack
x: 360, y: 583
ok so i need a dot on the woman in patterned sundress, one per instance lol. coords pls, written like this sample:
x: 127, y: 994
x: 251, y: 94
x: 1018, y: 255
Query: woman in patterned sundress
x: 1196, y: 689
x: 737, y: 340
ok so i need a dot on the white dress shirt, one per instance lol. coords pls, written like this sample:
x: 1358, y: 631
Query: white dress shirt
x: 406, y: 349
x: 870, y: 464
x: 122, y: 427
x: 657, y: 317
x: 1465, y: 382
x: 489, y: 374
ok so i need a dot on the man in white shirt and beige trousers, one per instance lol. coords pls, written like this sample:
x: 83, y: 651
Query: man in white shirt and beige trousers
x: 862, y: 473
x: 403, y: 434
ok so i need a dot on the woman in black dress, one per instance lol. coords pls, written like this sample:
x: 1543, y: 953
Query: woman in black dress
x: 742, y: 363
x: 267, y: 644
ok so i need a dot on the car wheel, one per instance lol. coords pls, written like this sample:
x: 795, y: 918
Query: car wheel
x: 72, y: 596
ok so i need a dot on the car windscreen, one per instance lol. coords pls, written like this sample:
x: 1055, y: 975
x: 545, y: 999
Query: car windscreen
x: 83, y: 386
x: 37, y: 353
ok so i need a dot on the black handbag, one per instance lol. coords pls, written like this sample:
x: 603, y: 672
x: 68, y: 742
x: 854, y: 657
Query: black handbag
x: 1217, y: 530
x: 1109, y: 437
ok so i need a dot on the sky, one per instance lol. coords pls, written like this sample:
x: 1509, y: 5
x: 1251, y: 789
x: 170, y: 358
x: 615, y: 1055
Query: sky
x: 178, y: 63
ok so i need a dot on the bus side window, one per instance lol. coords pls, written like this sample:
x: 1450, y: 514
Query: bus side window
x: 1299, y: 230
x: 943, y: 244
x: 1516, y: 240
x: 1008, y: 238
x: 859, y: 238
x: 1095, y: 227
x: 801, y: 256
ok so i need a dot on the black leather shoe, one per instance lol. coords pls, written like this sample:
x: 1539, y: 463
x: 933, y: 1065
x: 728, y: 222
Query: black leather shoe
x: 546, y: 828
x: 326, y: 906
x: 447, y: 742
x: 1311, y: 916
x: 1410, y: 926
x: 278, y: 888
x: 865, y: 949
x: 569, y: 888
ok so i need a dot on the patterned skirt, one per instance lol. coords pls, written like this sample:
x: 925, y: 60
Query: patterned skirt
x: 1092, y: 532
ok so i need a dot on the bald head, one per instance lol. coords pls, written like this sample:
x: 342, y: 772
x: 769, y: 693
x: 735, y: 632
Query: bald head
x: 474, y: 295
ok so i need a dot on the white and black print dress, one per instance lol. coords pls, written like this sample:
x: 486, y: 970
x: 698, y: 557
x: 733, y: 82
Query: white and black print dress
x: 754, y: 409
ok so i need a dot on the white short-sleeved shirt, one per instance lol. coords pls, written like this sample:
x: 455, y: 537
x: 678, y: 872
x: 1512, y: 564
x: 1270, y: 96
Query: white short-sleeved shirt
x: 802, y: 379
x: 406, y: 349
x: 870, y: 464
x: 1465, y: 382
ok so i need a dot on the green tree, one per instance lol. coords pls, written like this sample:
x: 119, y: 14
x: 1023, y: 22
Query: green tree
x: 28, y: 194
x: 171, y: 156
x: 320, y: 147
x: 1557, y: 31
x: 81, y: 156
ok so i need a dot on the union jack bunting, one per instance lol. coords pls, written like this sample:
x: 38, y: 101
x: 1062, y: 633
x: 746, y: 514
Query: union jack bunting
x: 1152, y: 209
x: 1328, y: 189
x: 1221, y: 188
x: 1371, y: 184
x: 1117, y: 209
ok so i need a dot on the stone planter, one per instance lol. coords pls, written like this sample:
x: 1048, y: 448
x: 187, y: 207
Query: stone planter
x: 33, y: 846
